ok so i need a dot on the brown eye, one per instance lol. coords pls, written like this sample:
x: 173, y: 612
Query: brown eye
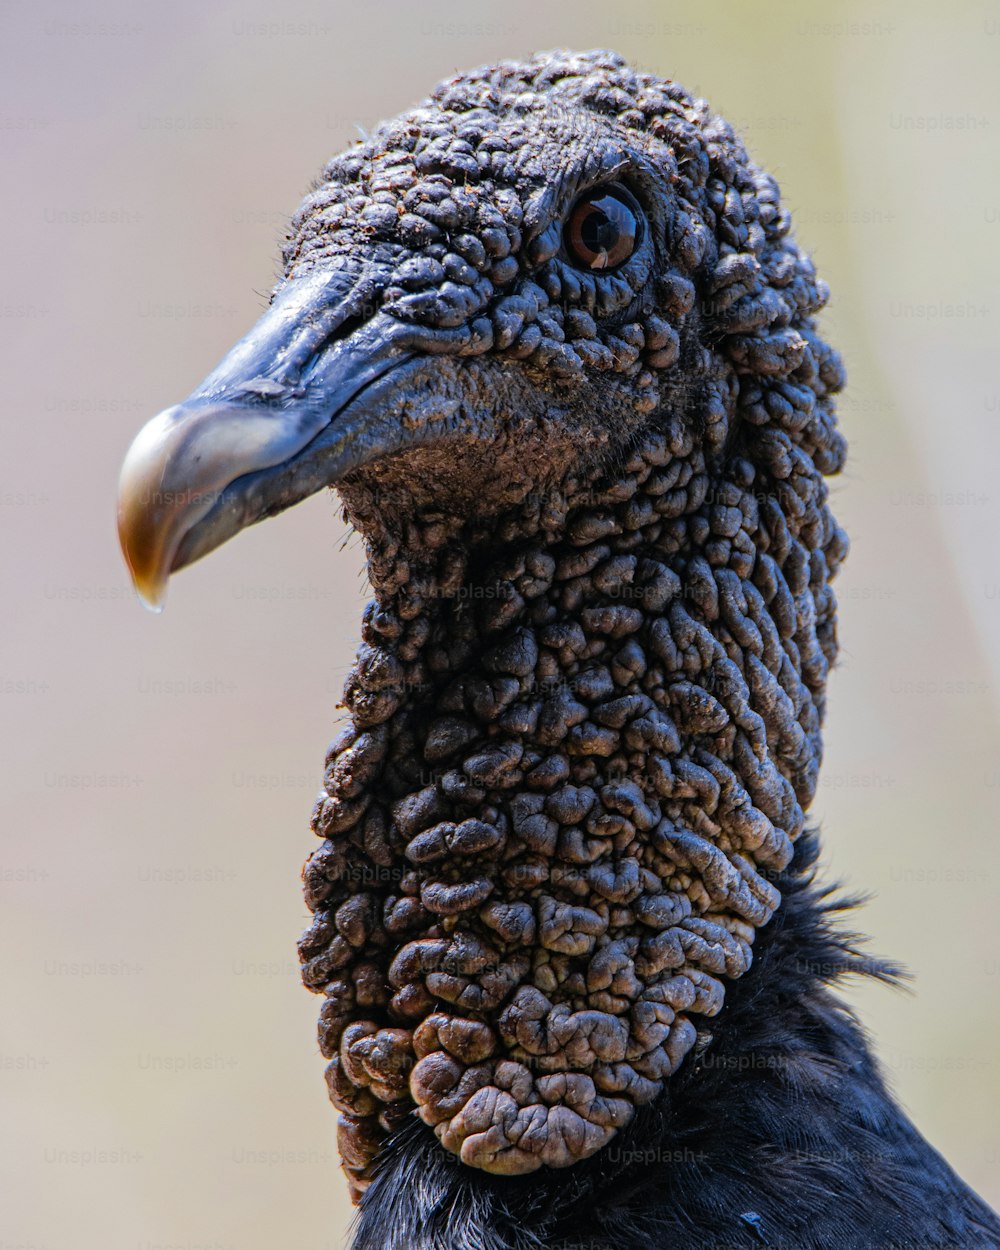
x: 603, y: 228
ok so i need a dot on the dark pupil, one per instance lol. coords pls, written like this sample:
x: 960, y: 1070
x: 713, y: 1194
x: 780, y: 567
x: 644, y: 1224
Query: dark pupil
x: 602, y: 231
x: 599, y: 232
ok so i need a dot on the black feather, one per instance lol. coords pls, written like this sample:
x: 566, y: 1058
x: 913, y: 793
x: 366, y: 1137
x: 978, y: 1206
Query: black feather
x: 777, y: 1131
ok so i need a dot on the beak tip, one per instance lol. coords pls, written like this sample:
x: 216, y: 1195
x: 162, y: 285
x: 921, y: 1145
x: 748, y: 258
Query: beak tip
x: 148, y: 533
x: 155, y: 608
x: 152, y: 595
x: 148, y: 581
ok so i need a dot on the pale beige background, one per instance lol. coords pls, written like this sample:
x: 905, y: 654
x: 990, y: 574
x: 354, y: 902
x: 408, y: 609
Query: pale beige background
x: 159, y: 1079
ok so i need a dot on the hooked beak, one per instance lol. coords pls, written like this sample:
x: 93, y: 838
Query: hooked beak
x: 295, y: 405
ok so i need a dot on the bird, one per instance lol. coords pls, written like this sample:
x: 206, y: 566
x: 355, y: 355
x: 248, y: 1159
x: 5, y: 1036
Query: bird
x: 551, y: 338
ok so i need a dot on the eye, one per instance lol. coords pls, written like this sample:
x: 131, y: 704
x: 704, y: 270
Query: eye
x: 603, y: 228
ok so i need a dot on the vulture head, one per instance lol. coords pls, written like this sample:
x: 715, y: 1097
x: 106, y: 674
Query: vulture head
x: 550, y: 338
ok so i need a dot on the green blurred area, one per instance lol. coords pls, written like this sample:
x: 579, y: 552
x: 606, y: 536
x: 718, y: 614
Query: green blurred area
x: 159, y: 1076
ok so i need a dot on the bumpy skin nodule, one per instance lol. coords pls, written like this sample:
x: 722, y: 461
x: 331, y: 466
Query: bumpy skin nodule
x: 584, y: 720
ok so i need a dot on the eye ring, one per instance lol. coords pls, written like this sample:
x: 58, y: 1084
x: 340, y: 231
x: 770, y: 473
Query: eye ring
x: 603, y: 229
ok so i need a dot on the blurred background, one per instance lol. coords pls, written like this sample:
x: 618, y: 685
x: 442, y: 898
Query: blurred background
x: 159, y: 1080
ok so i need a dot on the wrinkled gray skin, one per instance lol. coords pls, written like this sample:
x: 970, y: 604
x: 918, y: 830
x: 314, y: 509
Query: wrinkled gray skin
x: 584, y: 724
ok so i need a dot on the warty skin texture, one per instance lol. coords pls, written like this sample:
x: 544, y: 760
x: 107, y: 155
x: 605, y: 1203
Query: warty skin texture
x: 584, y: 725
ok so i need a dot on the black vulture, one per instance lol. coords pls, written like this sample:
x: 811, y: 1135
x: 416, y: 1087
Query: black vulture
x: 551, y: 338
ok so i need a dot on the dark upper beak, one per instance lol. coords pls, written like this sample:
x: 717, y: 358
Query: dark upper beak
x: 292, y: 408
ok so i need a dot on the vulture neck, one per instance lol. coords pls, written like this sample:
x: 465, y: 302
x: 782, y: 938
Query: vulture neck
x: 582, y: 739
x: 779, y: 1099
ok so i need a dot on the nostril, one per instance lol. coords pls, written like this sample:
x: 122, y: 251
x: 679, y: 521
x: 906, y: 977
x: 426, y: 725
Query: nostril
x: 353, y: 321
